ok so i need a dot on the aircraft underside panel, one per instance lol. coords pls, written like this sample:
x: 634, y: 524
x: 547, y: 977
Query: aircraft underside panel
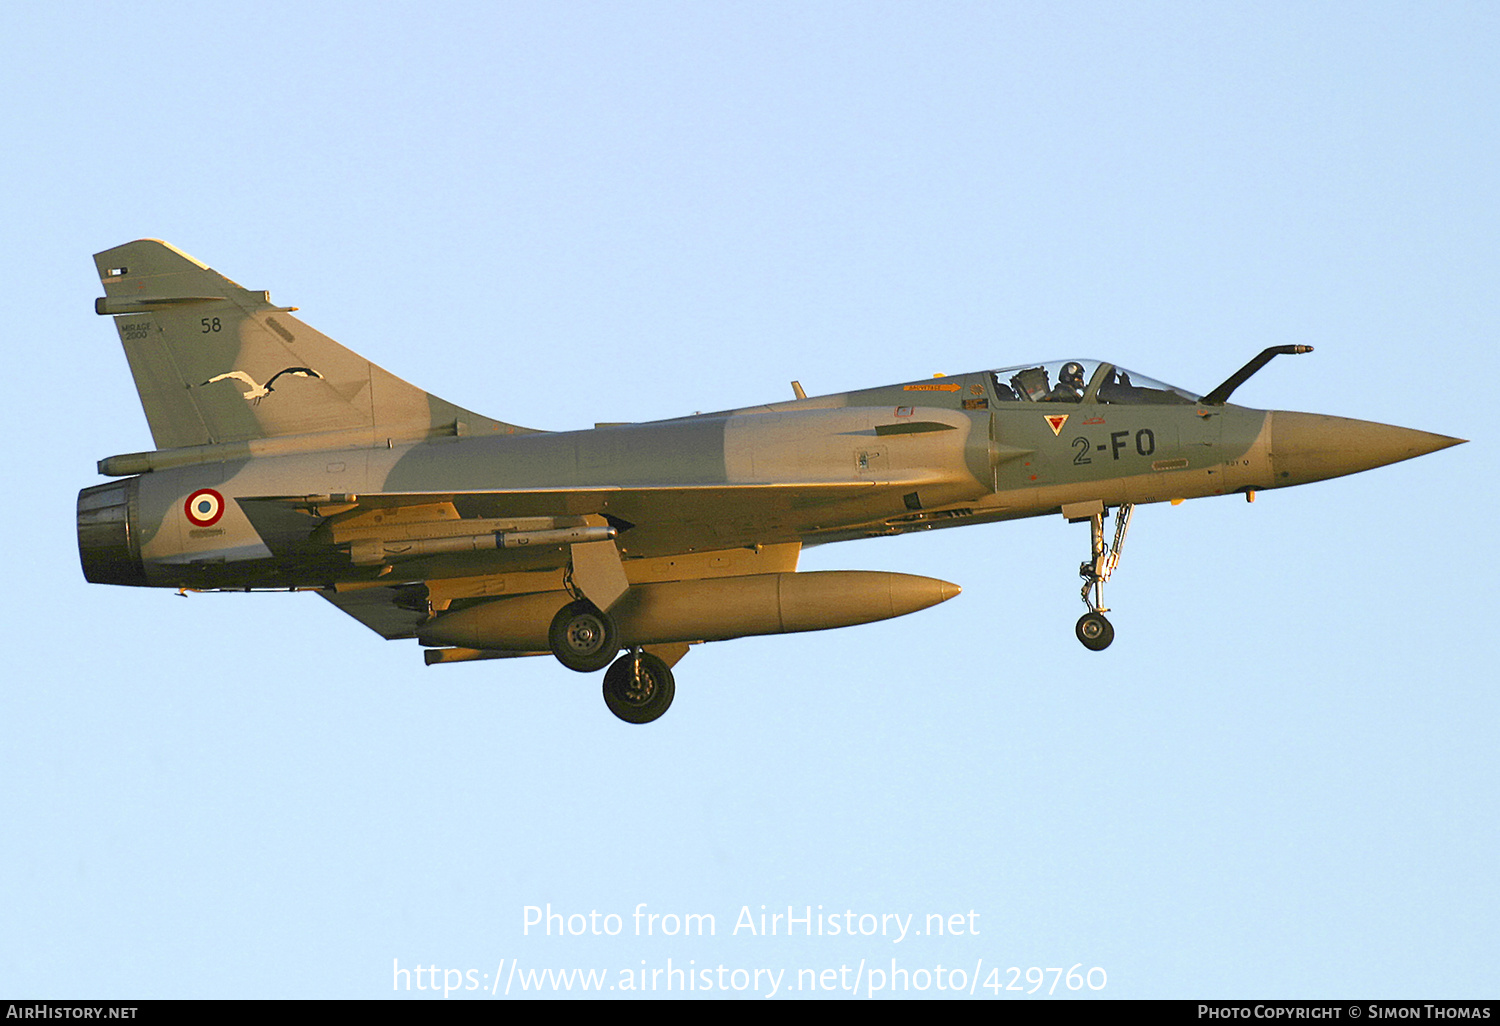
x: 392, y: 612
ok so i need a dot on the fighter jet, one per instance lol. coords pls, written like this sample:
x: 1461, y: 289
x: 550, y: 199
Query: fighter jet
x: 624, y: 545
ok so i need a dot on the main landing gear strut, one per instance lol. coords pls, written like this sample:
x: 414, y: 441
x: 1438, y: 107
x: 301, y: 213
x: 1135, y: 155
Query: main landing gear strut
x: 639, y: 685
x: 1093, y: 629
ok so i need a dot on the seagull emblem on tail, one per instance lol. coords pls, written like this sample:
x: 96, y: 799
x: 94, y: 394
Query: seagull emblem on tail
x: 258, y: 392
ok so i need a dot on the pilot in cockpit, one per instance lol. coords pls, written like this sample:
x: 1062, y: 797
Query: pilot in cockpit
x: 1069, y: 387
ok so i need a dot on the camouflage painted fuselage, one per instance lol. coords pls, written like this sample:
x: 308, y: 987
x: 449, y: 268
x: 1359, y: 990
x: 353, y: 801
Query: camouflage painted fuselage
x: 284, y: 460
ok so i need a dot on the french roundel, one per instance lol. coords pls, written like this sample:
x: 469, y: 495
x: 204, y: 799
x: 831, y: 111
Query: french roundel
x: 204, y: 507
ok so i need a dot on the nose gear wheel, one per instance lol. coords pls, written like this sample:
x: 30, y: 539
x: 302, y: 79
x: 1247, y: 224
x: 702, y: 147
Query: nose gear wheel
x: 1095, y: 631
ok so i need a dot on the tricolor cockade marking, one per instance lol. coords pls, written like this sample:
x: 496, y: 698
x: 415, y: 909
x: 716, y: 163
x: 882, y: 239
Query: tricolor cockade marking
x: 204, y: 507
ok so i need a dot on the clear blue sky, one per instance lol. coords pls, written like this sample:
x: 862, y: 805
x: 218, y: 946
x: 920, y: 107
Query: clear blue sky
x: 1282, y: 778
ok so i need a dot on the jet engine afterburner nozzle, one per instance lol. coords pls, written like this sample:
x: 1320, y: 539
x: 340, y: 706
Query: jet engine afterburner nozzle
x: 108, y: 546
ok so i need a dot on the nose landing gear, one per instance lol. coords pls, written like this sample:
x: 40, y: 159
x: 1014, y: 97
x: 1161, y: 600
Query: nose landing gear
x: 1093, y: 629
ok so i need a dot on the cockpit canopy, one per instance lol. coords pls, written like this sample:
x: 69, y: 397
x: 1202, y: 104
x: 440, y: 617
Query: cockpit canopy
x: 1083, y: 381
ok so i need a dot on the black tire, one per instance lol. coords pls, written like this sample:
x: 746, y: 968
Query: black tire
x: 583, y: 637
x: 643, y: 697
x: 1095, y: 631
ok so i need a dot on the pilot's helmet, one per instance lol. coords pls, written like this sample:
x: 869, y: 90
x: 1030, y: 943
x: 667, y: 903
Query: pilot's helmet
x: 1072, y: 374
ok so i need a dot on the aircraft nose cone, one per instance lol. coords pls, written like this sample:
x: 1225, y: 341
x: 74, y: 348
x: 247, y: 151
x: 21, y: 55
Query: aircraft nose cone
x: 1311, y: 447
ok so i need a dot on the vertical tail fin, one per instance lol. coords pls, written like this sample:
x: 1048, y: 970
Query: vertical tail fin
x: 214, y: 362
